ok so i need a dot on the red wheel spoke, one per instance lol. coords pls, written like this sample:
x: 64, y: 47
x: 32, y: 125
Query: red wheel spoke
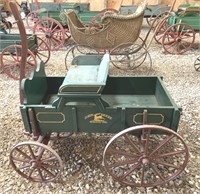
x: 49, y: 166
x: 49, y: 159
x: 20, y: 159
x: 162, y: 143
x: 170, y: 154
x: 24, y: 167
x: 122, y: 163
x: 130, y: 171
x: 156, y: 171
x: 50, y: 173
x: 145, y: 138
x: 23, y: 153
x: 31, y: 172
x: 157, y: 161
x: 123, y: 153
x: 54, y: 29
x: 31, y: 151
x: 40, y: 174
x: 142, y: 176
x: 131, y: 143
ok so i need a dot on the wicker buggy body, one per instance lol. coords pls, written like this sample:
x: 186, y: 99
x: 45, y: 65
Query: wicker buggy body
x: 114, y: 30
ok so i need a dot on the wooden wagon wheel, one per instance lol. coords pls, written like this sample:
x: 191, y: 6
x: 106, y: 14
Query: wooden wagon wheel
x: 145, y: 156
x: 36, y: 162
x: 42, y: 51
x: 178, y: 38
x: 197, y: 64
x: 11, y: 60
x: 31, y: 19
x: 51, y: 31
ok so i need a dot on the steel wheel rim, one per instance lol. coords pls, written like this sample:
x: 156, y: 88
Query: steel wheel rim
x: 175, y: 41
x: 11, y: 61
x: 143, y: 160
x: 36, y: 162
x: 51, y: 31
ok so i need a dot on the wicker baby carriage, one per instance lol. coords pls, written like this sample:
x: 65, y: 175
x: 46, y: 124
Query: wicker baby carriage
x: 114, y: 30
x: 116, y: 33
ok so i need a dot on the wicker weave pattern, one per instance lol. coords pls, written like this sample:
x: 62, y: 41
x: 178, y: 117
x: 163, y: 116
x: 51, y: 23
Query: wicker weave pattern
x: 115, y: 29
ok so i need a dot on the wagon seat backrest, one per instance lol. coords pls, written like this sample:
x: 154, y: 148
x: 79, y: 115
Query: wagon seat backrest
x: 35, y: 88
x: 86, y: 78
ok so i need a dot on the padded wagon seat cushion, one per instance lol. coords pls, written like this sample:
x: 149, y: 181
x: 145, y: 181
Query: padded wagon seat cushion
x: 86, y: 78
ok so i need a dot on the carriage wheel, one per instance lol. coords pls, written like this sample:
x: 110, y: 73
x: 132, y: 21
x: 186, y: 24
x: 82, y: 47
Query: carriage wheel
x: 76, y: 50
x: 36, y: 162
x: 42, y: 50
x: 145, y: 156
x: 11, y: 61
x: 51, y: 31
x: 156, y: 16
x: 178, y: 38
x: 131, y: 57
x: 31, y: 19
x: 197, y: 64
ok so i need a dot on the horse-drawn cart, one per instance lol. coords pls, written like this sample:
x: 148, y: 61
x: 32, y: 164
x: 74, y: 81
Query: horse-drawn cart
x: 146, y: 151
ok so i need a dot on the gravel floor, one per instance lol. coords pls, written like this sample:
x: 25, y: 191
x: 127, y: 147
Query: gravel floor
x: 82, y: 153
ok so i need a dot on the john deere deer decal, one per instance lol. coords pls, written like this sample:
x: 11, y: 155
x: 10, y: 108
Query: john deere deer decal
x: 98, y: 118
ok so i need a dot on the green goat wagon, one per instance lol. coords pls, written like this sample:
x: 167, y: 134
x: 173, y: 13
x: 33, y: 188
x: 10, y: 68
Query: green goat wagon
x: 145, y: 151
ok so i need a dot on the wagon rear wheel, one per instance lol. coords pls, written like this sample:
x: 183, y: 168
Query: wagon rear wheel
x: 36, y: 162
x: 51, y: 31
x: 197, y: 64
x: 42, y: 50
x: 11, y: 61
x: 145, y: 156
x: 178, y: 38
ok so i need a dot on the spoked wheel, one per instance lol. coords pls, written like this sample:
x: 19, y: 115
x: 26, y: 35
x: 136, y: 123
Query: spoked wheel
x: 42, y: 50
x: 157, y: 16
x: 11, y: 61
x: 145, y: 156
x: 178, y: 38
x: 160, y: 26
x: 131, y: 57
x: 31, y: 19
x: 36, y: 162
x: 51, y: 31
x: 197, y: 64
x: 76, y: 50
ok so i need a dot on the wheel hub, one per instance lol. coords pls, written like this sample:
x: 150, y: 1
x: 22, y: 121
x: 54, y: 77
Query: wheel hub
x: 48, y: 34
x: 35, y: 164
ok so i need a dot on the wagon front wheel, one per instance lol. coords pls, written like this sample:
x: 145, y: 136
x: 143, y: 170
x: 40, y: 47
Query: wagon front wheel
x: 145, y: 156
x: 36, y: 162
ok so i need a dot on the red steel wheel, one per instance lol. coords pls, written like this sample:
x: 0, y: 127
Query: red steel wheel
x: 42, y: 52
x: 51, y: 31
x: 145, y: 156
x: 11, y: 61
x: 178, y: 38
x: 31, y: 19
x: 197, y: 64
x: 36, y: 162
